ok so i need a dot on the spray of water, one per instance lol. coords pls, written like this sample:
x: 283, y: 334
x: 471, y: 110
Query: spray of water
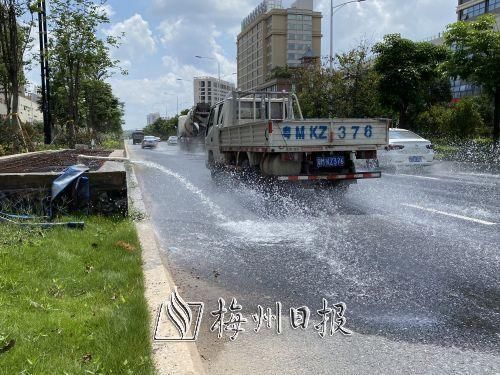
x: 215, y: 210
x: 299, y: 220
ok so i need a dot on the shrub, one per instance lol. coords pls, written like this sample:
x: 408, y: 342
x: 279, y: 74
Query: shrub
x: 466, y: 120
x: 435, y: 122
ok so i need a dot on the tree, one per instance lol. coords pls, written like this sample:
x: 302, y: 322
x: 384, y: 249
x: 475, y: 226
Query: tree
x: 102, y: 112
x: 314, y: 87
x: 408, y: 72
x: 14, y: 39
x: 356, y: 91
x: 162, y: 128
x: 77, y: 56
x: 348, y: 91
x: 476, y: 58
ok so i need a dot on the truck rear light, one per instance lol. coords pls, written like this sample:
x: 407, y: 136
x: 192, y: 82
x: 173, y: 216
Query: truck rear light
x: 430, y: 147
x: 270, y: 127
x: 394, y: 147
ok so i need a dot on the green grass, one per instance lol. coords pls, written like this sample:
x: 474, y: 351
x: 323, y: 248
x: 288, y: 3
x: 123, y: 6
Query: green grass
x: 73, y: 301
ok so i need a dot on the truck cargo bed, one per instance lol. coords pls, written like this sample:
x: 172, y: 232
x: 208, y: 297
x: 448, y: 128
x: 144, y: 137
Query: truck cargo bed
x: 306, y: 135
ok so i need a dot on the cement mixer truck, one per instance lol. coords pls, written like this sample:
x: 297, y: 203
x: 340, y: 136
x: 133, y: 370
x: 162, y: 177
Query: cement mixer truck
x: 192, y: 126
x: 265, y: 132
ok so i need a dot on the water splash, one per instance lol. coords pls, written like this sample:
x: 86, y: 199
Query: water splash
x: 214, y: 208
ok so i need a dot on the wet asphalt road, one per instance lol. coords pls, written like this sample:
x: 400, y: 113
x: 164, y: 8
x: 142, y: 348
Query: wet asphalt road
x: 415, y: 256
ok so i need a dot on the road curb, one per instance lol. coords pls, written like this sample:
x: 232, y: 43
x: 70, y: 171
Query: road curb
x: 174, y: 358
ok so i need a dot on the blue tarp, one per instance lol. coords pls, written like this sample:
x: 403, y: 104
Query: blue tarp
x: 69, y: 176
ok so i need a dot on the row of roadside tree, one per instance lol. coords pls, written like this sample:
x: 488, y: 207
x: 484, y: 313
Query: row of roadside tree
x: 410, y: 82
x: 83, y: 105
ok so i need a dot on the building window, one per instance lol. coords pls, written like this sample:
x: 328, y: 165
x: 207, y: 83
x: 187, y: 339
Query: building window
x: 494, y: 4
x: 473, y: 11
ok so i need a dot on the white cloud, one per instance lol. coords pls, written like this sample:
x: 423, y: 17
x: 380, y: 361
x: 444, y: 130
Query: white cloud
x: 148, y: 95
x: 224, y: 14
x: 372, y: 19
x: 183, y: 29
x: 137, y: 40
x: 169, y: 29
x: 107, y: 9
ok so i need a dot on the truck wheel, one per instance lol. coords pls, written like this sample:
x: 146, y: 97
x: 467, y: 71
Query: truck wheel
x: 211, y: 165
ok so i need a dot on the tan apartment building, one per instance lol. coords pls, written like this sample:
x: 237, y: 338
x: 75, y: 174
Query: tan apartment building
x: 272, y: 36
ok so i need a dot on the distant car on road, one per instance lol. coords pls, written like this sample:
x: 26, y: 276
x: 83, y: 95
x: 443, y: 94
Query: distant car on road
x: 158, y: 139
x: 149, y: 142
x: 173, y: 140
x: 406, y: 149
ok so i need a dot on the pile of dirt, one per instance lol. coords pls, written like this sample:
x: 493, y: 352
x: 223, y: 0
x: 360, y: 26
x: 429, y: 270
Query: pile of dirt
x: 50, y: 162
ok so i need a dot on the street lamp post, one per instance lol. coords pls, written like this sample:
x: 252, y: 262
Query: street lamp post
x: 218, y: 69
x: 337, y: 7
x: 167, y: 93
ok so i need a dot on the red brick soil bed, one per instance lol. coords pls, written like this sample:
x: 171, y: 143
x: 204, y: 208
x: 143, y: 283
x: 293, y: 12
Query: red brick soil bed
x: 50, y: 162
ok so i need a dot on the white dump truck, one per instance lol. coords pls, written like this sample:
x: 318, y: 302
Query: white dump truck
x: 266, y: 132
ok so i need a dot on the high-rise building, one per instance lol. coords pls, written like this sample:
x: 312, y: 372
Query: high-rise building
x: 470, y: 9
x: 152, y: 117
x: 206, y: 90
x: 272, y: 36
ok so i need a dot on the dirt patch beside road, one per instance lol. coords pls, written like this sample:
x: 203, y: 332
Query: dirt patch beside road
x: 50, y: 162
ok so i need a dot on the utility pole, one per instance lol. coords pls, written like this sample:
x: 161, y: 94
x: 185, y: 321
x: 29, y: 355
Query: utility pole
x: 44, y: 71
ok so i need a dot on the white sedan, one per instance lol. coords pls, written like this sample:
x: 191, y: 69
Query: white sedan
x: 149, y: 142
x: 172, y: 140
x: 406, y: 149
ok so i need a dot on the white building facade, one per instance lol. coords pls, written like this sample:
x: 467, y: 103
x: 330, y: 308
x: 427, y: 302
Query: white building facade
x: 152, y: 117
x: 206, y: 90
x: 29, y: 111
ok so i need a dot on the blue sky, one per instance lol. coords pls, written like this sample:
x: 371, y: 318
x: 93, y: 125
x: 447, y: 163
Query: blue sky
x: 163, y: 36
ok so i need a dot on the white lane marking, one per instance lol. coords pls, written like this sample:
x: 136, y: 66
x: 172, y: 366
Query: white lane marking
x: 414, y: 176
x: 485, y: 175
x: 432, y: 210
x: 452, y: 179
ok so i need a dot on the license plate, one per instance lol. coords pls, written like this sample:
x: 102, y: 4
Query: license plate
x: 330, y: 161
x: 415, y: 159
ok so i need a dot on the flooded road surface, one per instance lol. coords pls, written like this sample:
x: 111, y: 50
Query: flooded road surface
x: 415, y: 256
